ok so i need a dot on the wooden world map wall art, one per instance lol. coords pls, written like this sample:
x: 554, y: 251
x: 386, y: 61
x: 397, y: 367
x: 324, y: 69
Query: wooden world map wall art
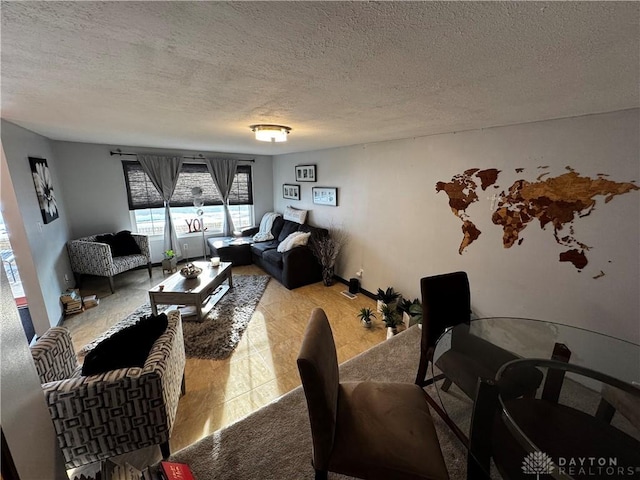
x: 549, y: 200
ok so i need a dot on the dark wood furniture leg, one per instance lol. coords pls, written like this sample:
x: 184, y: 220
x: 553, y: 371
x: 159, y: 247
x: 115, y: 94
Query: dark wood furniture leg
x: 149, y: 268
x: 165, y: 449
x: 321, y: 475
x: 605, y: 411
x: 480, y: 441
x: 446, y: 385
x: 111, y: 284
x: 553, y: 382
x: 183, y: 386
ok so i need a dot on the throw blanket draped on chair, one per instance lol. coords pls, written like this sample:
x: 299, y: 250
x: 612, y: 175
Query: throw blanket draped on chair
x: 264, y: 234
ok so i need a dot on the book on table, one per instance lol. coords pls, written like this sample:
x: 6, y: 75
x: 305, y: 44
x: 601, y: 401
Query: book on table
x: 176, y: 471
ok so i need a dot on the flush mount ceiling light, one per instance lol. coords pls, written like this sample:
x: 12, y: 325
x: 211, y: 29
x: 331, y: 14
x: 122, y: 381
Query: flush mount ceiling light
x: 271, y: 133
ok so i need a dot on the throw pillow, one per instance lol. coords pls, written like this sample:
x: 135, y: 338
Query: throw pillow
x: 106, y: 238
x: 294, y: 240
x: 124, y: 244
x: 299, y: 240
x: 295, y: 215
x: 127, y: 348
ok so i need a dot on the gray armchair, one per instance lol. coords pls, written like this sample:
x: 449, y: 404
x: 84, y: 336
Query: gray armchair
x: 99, y: 416
x: 87, y: 256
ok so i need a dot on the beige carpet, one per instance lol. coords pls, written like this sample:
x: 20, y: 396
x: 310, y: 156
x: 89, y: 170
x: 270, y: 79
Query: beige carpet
x: 275, y: 441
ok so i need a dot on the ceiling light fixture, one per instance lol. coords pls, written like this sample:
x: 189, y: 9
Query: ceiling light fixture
x: 271, y: 133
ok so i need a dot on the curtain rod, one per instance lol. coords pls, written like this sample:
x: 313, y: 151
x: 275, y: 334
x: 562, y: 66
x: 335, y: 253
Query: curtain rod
x: 199, y: 157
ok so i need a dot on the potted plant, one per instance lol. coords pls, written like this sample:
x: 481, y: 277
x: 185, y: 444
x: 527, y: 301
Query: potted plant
x: 365, y: 316
x: 326, y: 249
x: 387, y: 297
x: 415, y: 312
x: 411, y: 311
x: 391, y: 320
x: 170, y: 261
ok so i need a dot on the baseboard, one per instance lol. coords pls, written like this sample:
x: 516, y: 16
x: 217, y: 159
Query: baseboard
x: 366, y: 293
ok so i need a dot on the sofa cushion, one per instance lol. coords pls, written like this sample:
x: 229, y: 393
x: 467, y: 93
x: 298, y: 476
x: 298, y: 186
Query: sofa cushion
x: 287, y: 229
x: 277, y: 226
x: 261, y: 247
x: 316, y: 232
x: 273, y: 256
x: 127, y: 348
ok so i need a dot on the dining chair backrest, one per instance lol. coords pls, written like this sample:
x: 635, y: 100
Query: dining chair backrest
x: 318, y: 367
x: 446, y: 302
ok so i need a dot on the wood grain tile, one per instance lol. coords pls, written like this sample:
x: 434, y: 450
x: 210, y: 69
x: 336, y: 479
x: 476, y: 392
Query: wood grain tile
x: 263, y: 366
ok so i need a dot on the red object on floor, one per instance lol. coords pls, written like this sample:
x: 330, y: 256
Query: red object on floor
x: 176, y: 471
x: 21, y: 301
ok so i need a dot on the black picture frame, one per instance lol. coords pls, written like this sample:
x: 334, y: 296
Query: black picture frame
x: 291, y: 191
x: 306, y: 173
x: 325, y: 196
x: 43, y: 184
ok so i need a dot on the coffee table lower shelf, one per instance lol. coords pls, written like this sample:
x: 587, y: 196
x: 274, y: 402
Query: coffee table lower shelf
x: 190, y: 312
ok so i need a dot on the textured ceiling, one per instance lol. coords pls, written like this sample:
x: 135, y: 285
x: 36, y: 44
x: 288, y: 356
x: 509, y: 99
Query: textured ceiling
x: 196, y: 74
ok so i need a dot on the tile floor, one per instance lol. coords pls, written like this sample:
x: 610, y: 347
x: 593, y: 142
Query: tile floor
x: 262, y: 368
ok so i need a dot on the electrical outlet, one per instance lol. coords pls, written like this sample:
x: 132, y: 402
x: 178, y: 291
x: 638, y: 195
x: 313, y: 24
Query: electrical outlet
x: 185, y: 246
x: 359, y: 273
x: 66, y: 278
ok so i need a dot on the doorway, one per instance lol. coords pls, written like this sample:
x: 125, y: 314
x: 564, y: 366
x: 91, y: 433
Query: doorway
x: 8, y: 260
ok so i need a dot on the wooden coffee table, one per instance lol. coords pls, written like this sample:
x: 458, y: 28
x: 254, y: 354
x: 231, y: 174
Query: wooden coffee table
x: 202, y: 292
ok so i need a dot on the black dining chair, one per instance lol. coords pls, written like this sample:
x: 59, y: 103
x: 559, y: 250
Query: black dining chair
x: 446, y: 302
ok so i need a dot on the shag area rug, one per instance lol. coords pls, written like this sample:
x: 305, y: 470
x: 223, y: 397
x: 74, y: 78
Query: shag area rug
x: 217, y: 336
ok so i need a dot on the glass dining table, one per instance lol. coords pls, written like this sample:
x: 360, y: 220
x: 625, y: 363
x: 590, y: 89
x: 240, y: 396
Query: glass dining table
x: 551, y: 400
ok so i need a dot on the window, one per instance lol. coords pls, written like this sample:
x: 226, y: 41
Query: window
x: 148, y: 208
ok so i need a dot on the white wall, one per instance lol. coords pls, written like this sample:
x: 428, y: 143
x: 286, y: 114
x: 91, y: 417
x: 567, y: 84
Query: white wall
x: 26, y: 422
x: 401, y: 229
x: 96, y: 195
x: 40, y: 250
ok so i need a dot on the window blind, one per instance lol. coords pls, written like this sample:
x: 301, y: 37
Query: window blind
x: 142, y: 194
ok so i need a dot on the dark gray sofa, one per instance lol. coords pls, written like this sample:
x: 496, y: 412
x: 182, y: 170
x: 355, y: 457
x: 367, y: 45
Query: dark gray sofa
x: 294, y: 268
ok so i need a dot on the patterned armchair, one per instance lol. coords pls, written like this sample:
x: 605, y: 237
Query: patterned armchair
x: 87, y: 256
x: 103, y: 415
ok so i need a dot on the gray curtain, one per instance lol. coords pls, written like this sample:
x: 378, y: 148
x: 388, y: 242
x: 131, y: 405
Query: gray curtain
x: 223, y: 171
x: 163, y: 173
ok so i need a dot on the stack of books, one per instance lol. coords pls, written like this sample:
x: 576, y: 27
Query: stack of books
x: 90, y: 301
x: 71, y: 301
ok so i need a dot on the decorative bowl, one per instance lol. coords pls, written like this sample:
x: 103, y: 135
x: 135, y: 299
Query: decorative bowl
x: 190, y: 271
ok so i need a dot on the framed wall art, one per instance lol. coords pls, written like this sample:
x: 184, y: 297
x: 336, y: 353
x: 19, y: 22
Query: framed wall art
x: 44, y: 189
x: 325, y: 196
x: 291, y: 192
x: 306, y: 173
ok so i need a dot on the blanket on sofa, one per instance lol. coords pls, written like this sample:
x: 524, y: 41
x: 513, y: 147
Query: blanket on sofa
x: 264, y: 233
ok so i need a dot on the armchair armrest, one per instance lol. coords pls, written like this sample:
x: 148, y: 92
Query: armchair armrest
x: 143, y: 243
x: 92, y: 258
x: 249, y: 231
x: 53, y: 355
x: 300, y: 267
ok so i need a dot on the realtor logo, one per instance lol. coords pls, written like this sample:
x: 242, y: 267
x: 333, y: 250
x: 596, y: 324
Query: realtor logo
x: 537, y: 463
